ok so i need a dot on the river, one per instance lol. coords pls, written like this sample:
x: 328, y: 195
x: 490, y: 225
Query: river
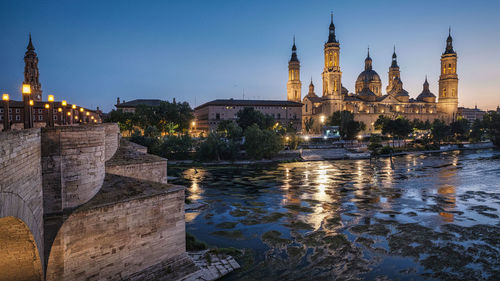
x: 421, y: 217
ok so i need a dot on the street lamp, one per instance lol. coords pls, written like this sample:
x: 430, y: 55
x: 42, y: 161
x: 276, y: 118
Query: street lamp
x: 6, y: 121
x: 73, y: 107
x: 50, y: 116
x: 28, y: 116
x: 64, y: 104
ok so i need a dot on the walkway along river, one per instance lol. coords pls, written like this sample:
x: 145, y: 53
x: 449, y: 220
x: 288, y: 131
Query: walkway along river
x: 429, y: 217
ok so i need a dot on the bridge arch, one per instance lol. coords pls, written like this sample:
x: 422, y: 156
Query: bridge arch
x: 19, y: 255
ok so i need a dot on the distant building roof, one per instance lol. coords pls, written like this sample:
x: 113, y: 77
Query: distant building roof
x: 135, y: 103
x: 233, y: 102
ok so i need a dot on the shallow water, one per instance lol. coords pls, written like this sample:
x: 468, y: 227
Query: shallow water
x: 425, y: 217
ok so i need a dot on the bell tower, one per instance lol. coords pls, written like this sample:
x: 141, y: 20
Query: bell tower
x: 31, y: 73
x: 293, y: 87
x: 394, y: 73
x: 448, y: 81
x: 332, y: 86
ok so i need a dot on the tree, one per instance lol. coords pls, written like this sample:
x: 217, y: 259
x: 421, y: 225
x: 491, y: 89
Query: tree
x: 308, y: 124
x: 375, y: 144
x: 477, y: 131
x: 460, y: 129
x: 262, y: 143
x: 381, y: 122
x: 249, y: 116
x: 348, y: 127
x: 491, y: 122
x: 439, y: 130
x: 401, y: 127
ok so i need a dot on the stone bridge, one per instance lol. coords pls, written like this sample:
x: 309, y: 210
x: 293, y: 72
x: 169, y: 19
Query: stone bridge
x: 73, y: 208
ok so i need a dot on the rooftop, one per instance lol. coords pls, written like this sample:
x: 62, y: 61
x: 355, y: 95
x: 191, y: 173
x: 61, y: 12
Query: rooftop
x: 233, y: 102
x: 134, y: 103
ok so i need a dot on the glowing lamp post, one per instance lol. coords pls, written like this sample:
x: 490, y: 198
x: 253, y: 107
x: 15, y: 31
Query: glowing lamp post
x: 72, y: 110
x: 6, y: 121
x: 28, y: 111
x: 50, y: 111
x: 81, y: 114
x: 63, y: 117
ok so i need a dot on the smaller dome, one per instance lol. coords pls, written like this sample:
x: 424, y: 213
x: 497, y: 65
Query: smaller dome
x: 426, y: 95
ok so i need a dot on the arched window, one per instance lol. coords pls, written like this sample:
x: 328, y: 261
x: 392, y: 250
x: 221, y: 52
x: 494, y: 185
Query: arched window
x: 306, y: 107
x: 444, y: 92
x: 335, y: 59
x: 453, y: 93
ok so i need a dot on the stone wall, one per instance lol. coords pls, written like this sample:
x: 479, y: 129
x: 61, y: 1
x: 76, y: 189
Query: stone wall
x: 112, y: 140
x: 130, y: 161
x: 21, y: 180
x: 127, y: 227
x: 73, y: 164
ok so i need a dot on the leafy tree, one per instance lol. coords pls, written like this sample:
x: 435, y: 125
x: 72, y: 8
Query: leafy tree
x: 348, y: 127
x: 375, y: 144
x: 230, y: 130
x: 381, y: 122
x: 460, y: 129
x: 249, y: 116
x: 477, y: 131
x: 176, y: 147
x: 261, y: 143
x: 421, y: 125
x: 491, y: 122
x: 439, y: 130
x: 308, y: 124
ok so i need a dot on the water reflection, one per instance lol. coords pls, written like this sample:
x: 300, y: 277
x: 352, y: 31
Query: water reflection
x: 354, y: 219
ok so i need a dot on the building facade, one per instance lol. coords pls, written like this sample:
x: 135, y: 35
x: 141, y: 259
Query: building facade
x: 210, y: 114
x: 368, y: 101
x: 471, y: 114
x: 130, y: 106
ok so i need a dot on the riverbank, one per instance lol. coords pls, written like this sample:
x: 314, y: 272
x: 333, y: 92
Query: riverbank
x: 321, y: 154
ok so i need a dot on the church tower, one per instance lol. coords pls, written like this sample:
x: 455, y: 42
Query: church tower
x: 448, y: 80
x: 294, y: 86
x: 31, y: 73
x: 332, y: 86
x: 394, y: 73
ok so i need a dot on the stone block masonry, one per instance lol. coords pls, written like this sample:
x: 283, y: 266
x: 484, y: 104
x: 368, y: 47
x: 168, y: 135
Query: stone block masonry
x: 21, y: 188
x: 129, y: 226
x: 73, y: 165
x: 129, y: 161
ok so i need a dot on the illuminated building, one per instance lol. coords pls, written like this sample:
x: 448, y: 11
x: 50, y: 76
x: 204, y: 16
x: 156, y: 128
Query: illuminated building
x: 368, y: 102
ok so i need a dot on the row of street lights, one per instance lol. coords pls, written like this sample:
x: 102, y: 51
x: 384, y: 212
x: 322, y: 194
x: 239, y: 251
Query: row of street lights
x: 28, y: 111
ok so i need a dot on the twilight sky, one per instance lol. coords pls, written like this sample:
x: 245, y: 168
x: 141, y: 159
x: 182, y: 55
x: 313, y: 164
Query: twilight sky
x: 91, y: 52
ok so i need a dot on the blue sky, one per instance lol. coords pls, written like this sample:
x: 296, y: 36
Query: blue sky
x: 94, y: 51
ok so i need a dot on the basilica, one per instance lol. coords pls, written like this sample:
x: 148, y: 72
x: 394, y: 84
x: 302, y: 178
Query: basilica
x: 368, y: 101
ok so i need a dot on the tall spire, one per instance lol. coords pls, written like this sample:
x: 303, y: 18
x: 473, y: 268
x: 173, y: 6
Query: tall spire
x: 394, y: 59
x: 294, y: 51
x: 331, y: 34
x: 368, y: 61
x: 30, y: 45
x: 449, y: 43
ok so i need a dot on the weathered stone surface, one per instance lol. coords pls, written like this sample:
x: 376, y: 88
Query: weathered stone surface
x: 73, y: 165
x: 129, y: 161
x: 21, y: 181
x: 128, y: 227
x: 112, y: 139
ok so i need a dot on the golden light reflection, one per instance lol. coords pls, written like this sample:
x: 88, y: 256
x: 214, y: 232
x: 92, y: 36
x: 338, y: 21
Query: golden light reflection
x: 196, y: 176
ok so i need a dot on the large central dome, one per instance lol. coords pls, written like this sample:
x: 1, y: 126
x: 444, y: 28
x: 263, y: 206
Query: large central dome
x: 369, y: 78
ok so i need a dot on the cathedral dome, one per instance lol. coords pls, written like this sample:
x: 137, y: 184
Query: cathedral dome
x: 369, y: 75
x: 426, y: 95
